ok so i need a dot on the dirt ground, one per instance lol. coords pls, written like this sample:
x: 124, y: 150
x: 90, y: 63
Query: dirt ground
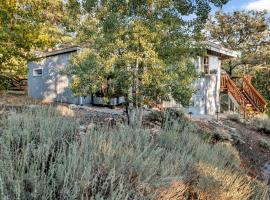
x: 84, y: 114
x: 254, y: 158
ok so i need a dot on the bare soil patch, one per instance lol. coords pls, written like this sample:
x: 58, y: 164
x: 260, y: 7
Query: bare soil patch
x: 254, y: 157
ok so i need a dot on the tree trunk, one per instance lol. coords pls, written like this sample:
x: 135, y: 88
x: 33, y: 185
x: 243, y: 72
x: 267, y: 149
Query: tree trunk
x: 127, y: 108
x: 230, y: 71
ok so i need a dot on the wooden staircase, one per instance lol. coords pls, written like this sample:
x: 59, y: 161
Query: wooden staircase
x: 246, y: 98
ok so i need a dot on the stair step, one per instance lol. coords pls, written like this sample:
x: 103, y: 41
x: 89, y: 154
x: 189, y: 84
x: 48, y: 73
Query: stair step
x: 240, y: 95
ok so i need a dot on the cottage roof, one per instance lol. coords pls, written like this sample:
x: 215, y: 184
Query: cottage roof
x: 59, y: 51
x: 212, y: 48
x: 221, y: 51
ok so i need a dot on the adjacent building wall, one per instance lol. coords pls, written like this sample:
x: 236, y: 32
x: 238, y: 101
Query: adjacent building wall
x: 55, y: 86
x: 52, y: 85
x: 206, y: 98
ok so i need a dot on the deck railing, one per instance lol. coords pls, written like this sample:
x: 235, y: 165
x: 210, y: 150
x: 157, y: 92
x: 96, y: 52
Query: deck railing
x: 245, y: 95
x: 236, y: 93
x: 255, y: 96
x: 227, y: 84
x: 224, y: 81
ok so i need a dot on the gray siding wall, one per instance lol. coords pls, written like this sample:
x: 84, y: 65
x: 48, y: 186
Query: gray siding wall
x: 52, y: 85
x: 206, y: 99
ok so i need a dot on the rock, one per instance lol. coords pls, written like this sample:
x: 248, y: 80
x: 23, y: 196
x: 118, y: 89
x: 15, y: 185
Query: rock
x: 91, y: 126
x: 73, y: 106
x: 82, y: 128
x: 65, y: 111
x: 153, y: 133
x: 266, y: 172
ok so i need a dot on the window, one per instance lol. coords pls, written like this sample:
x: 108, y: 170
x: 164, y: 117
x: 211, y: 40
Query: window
x: 206, y: 65
x: 37, y: 72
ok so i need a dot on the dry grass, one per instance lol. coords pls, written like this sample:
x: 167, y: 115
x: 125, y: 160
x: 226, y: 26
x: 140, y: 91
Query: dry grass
x: 262, y: 123
x: 265, y: 144
x: 222, y: 184
x: 17, y: 99
x: 233, y: 116
x: 176, y: 191
x: 42, y: 156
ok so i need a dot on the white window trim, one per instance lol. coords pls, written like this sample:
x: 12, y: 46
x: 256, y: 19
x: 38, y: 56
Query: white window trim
x: 37, y: 75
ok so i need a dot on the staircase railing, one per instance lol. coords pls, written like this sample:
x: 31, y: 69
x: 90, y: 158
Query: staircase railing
x: 236, y: 93
x: 227, y: 84
x: 255, y: 96
x: 224, y: 81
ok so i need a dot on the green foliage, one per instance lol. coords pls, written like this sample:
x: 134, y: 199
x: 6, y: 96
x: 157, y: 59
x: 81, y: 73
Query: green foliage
x: 261, y: 82
x: 89, y: 73
x: 27, y: 26
x: 143, y: 46
x: 42, y: 156
x: 262, y: 122
x: 223, y: 102
x: 265, y: 144
x: 3, y: 82
x: 245, y: 31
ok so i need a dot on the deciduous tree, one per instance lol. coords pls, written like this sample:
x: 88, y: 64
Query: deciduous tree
x: 143, y: 49
x: 27, y: 26
x: 247, y: 32
x: 244, y: 31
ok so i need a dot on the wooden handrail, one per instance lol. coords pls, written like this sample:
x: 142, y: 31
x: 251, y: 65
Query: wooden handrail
x: 254, y: 94
x: 236, y: 93
x: 224, y: 80
x: 231, y: 87
x: 246, y: 96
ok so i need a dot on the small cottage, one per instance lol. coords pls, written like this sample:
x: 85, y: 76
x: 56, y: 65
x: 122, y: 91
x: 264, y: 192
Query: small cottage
x: 206, y: 99
x: 46, y: 81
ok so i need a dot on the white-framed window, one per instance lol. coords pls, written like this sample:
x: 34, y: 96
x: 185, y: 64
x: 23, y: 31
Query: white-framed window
x: 206, y: 65
x: 37, y: 72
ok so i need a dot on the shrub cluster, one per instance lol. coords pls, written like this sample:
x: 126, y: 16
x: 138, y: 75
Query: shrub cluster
x: 42, y: 156
x: 3, y: 82
x: 262, y: 123
x: 265, y: 144
x: 233, y: 116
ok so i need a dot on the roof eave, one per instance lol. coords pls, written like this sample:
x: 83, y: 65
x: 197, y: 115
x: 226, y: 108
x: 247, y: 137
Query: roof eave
x: 58, y: 52
x: 224, y: 52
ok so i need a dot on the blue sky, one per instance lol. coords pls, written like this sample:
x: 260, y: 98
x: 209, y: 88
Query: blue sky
x: 246, y: 4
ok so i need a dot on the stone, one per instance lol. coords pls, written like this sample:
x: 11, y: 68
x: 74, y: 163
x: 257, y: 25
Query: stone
x: 82, y: 128
x: 91, y: 126
x: 73, y: 106
x: 65, y: 111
